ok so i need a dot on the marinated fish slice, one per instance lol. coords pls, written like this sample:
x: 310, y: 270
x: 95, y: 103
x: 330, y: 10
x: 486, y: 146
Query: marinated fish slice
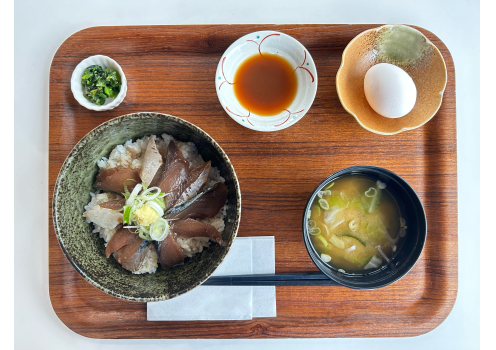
x: 103, y: 217
x: 115, y: 179
x: 132, y: 255
x: 197, y: 178
x: 190, y: 228
x: 115, y: 204
x: 205, y: 205
x: 179, y: 208
x: 152, y: 162
x: 169, y: 252
x: 120, y: 238
x: 161, y: 169
x: 173, y: 182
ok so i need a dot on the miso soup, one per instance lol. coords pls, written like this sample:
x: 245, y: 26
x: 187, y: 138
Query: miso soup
x: 355, y: 224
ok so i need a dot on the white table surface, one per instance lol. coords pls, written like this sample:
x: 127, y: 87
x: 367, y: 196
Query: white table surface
x: 41, y: 26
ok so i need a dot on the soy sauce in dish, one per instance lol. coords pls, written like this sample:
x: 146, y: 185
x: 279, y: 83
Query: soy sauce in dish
x: 265, y: 85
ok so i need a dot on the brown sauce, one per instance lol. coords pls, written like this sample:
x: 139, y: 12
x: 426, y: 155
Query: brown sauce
x: 265, y: 85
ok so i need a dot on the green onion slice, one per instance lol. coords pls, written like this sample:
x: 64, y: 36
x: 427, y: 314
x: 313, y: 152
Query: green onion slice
x: 134, y: 194
x: 149, y: 195
x: 159, y: 229
x: 156, y: 207
x: 144, y: 235
x: 125, y: 216
x: 329, y: 186
x: 323, y: 204
x: 314, y: 231
x: 325, y: 258
x: 371, y: 192
x: 311, y: 224
x: 160, y: 200
x: 322, y: 240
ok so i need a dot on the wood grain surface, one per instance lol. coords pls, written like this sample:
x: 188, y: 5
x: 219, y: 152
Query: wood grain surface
x: 171, y: 69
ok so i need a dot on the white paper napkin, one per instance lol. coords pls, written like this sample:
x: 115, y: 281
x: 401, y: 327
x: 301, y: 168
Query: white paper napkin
x: 248, y: 255
x: 264, y: 261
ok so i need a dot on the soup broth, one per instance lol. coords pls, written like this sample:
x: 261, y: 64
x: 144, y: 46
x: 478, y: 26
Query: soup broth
x: 355, y: 224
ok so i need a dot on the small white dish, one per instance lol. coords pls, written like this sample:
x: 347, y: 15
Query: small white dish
x: 78, y: 89
x: 275, y: 43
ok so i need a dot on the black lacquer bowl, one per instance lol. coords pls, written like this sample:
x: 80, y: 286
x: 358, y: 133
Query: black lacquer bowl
x: 85, y: 250
x: 403, y: 262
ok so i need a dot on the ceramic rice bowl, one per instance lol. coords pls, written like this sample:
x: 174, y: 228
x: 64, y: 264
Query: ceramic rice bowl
x: 85, y: 250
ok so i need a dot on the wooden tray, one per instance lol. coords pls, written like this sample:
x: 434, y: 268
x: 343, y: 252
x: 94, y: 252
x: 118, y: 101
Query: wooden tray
x: 171, y: 69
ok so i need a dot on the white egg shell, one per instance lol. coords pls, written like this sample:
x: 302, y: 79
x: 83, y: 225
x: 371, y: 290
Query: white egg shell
x: 389, y: 90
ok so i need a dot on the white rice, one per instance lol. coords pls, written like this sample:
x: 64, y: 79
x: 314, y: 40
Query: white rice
x: 191, y: 246
x: 130, y: 155
x: 218, y: 220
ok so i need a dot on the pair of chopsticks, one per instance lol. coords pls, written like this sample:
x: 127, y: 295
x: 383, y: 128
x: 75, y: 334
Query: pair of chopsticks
x: 279, y: 279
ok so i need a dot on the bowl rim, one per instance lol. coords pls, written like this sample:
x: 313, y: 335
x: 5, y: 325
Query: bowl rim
x: 309, y: 59
x: 403, y: 128
x: 349, y: 171
x: 80, y: 144
x: 75, y: 81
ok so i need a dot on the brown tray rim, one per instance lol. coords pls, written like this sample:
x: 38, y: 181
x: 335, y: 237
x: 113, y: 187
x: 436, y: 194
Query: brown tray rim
x: 446, y: 54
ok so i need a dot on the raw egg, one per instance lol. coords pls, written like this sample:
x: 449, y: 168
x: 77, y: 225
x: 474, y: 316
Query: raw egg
x: 389, y: 90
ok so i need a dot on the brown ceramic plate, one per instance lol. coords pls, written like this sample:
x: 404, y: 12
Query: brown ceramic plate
x: 86, y: 251
x: 406, y: 48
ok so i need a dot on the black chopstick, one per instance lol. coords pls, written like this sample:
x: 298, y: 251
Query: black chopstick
x: 280, y: 279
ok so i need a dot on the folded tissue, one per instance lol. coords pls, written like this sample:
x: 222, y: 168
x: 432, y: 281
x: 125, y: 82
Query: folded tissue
x: 248, y: 255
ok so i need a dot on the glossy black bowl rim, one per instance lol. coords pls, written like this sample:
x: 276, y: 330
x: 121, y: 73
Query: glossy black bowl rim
x: 357, y: 169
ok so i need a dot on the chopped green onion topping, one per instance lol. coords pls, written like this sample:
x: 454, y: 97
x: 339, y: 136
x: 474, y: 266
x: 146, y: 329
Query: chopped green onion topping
x: 314, y: 231
x: 323, y: 204
x: 125, y: 216
x: 371, y: 192
x: 156, y: 207
x: 325, y: 258
x: 160, y: 200
x: 159, y: 230
x: 322, y: 240
x: 144, y: 210
x: 329, y: 186
x: 134, y: 194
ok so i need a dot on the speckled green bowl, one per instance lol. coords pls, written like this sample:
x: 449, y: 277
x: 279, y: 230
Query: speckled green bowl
x: 85, y: 250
